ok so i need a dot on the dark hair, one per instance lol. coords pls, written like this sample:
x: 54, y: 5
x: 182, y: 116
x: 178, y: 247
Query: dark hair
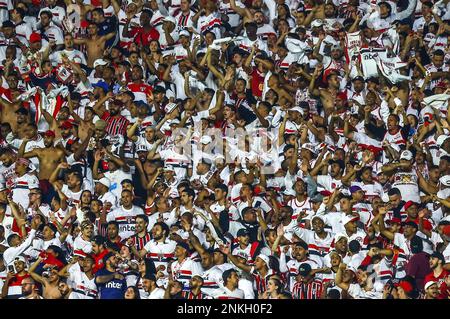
x: 47, y: 13
x: 113, y: 222
x: 21, y: 12
x: 164, y: 227
x: 222, y: 187
x: 137, y: 295
x: 333, y: 294
x: 99, y: 240
x: 354, y: 246
x: 394, y: 191
x: 439, y: 52
x: 278, y: 284
x: 5, y: 150
x: 127, y: 191
x: 99, y: 11
x: 190, y: 192
x: 227, y: 274
x: 143, y: 217
x: 10, y: 238
x: 416, y: 245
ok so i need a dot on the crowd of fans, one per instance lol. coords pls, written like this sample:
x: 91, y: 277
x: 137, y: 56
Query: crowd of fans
x: 219, y: 149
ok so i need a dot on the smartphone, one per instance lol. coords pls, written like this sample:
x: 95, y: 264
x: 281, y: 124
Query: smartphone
x: 11, y: 268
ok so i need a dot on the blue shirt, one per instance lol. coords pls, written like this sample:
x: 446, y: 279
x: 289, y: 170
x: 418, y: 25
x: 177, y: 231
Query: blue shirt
x: 113, y: 289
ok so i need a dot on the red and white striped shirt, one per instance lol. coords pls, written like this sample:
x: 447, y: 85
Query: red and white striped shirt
x: 117, y: 125
x: 312, y: 290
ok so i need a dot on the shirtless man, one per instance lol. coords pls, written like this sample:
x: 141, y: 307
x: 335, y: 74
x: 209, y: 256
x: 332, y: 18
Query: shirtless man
x: 15, y: 115
x: 49, y: 156
x: 95, y: 44
x: 49, y: 284
x: 83, y: 124
x: 328, y: 95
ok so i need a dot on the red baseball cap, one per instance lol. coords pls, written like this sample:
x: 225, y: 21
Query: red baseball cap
x: 407, y: 287
x: 409, y: 203
x: 446, y: 230
x: 66, y: 125
x: 395, y: 220
x: 441, y: 84
x: 35, y: 37
x: 49, y: 133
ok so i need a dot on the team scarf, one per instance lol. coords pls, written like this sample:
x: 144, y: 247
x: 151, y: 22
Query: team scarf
x: 51, y: 102
x: 353, y: 44
x: 389, y: 68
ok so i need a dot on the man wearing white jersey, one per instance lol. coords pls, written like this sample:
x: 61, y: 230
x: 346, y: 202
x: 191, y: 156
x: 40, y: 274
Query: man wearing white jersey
x: 23, y: 183
x: 230, y: 290
x: 319, y: 240
x: 405, y: 178
x: 184, y: 267
x: 160, y: 249
x: 73, y: 186
x: 81, y: 279
x: 125, y: 215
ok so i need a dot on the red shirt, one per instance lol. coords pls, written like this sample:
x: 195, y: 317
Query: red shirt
x: 441, y: 282
x: 142, y: 37
x: 257, y: 82
x: 99, y: 261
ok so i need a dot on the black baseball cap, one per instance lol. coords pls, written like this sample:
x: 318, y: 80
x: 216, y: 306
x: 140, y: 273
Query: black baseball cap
x: 159, y: 89
x: 339, y: 162
x: 411, y: 223
x: 242, y: 232
x: 107, y: 256
x: 439, y: 256
x: 358, y: 78
x: 304, y: 270
x: 8, y: 24
x: 22, y: 110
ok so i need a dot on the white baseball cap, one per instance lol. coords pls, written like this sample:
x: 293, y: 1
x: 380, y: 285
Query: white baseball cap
x: 141, y: 148
x: 169, y: 168
x: 349, y: 218
x: 317, y: 23
x: 310, y: 147
x: 205, y: 139
x: 104, y: 181
x: 170, y: 107
x: 443, y: 194
x: 406, y: 155
x: 339, y: 236
x: 445, y: 180
x: 297, y: 109
x: 167, y: 53
x: 441, y: 139
x: 289, y: 192
x: 184, y: 33
x: 264, y: 258
x: 429, y: 284
x: 99, y: 62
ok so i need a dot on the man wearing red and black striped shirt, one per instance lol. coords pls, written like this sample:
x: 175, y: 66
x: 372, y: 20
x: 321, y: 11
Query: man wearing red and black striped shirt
x: 195, y: 286
x: 307, y: 285
x: 117, y: 123
x: 142, y: 237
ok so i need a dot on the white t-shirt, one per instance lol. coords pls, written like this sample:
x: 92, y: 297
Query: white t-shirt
x: 225, y: 293
x: 157, y: 293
